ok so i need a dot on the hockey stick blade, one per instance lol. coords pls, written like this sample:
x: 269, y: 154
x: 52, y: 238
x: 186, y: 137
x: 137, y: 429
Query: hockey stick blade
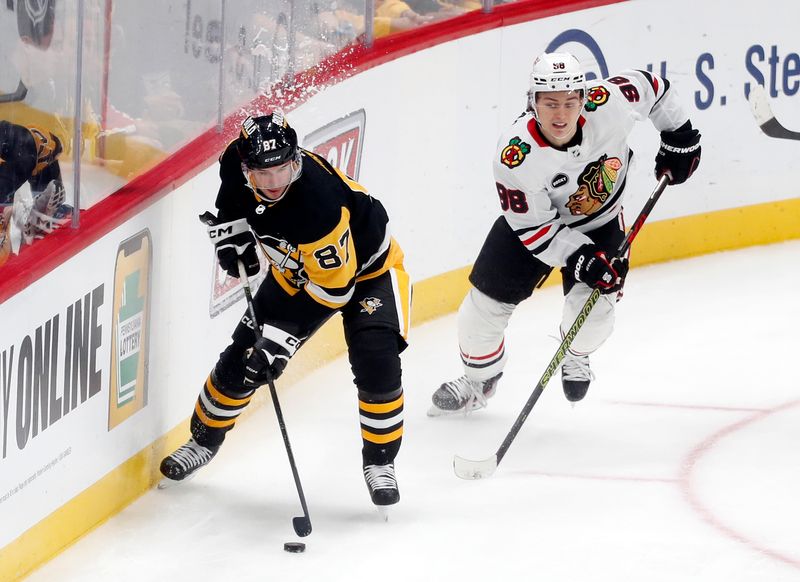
x: 472, y: 470
x: 302, y: 526
x: 762, y: 111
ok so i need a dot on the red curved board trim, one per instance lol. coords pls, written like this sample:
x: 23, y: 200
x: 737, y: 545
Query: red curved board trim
x: 47, y: 254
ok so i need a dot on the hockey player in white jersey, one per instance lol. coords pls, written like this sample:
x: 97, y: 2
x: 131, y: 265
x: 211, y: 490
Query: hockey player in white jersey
x: 560, y: 172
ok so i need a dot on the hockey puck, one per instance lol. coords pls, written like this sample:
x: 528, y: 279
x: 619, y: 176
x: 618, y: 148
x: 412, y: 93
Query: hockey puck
x: 294, y: 547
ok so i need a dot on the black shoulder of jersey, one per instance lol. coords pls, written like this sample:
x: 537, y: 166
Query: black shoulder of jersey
x: 318, y: 196
x: 230, y: 162
x: 16, y: 141
x: 233, y: 190
x: 19, y: 153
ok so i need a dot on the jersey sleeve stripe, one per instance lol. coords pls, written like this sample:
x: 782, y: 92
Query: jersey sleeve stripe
x: 653, y: 80
x: 546, y: 243
x: 387, y: 240
x: 666, y: 89
x: 537, y: 235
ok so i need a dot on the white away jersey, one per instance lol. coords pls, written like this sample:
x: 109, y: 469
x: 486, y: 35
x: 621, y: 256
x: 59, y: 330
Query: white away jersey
x: 550, y: 196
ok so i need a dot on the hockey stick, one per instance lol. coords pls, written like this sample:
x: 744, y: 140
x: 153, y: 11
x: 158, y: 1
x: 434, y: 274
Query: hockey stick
x: 759, y: 105
x: 467, y: 469
x: 18, y: 95
x: 302, y: 525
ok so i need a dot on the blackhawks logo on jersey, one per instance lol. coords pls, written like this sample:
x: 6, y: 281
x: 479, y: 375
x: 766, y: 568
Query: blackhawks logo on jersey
x: 595, y: 97
x: 596, y: 185
x: 514, y: 153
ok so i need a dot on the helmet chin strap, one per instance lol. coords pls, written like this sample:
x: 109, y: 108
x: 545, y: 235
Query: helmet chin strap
x: 272, y: 200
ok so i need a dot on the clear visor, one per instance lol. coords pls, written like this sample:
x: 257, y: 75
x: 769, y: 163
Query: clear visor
x: 533, y: 94
x: 273, y: 178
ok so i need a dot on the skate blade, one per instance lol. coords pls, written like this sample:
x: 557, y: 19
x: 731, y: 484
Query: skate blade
x: 434, y: 411
x: 167, y: 483
x: 383, y: 512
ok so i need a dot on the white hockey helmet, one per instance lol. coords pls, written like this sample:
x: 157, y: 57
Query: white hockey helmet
x: 555, y: 72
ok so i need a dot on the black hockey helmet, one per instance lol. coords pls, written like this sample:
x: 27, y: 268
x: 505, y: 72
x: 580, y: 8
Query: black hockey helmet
x: 267, y: 141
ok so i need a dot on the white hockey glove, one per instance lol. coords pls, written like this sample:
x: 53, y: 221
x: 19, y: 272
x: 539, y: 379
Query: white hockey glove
x: 266, y: 360
x: 233, y: 242
x: 49, y: 211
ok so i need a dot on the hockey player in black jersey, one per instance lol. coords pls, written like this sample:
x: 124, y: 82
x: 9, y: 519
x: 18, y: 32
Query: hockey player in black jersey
x: 29, y: 154
x: 560, y: 173
x: 329, y: 249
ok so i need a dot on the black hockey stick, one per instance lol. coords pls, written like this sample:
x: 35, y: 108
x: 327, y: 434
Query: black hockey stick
x: 467, y: 469
x: 759, y: 105
x: 17, y: 95
x: 302, y: 525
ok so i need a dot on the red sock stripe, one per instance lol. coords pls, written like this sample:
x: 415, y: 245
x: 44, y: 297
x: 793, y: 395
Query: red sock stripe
x: 494, y: 354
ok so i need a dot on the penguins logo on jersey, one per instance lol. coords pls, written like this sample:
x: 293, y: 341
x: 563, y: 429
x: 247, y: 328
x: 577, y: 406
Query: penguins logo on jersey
x: 285, y: 257
x: 595, y: 97
x: 514, y: 153
x: 370, y: 305
x: 596, y: 185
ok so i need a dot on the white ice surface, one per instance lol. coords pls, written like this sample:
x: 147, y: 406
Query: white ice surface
x: 681, y: 464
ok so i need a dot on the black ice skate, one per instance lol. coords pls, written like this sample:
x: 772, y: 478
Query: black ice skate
x: 575, y: 376
x: 183, y: 463
x: 382, y: 485
x: 463, y: 394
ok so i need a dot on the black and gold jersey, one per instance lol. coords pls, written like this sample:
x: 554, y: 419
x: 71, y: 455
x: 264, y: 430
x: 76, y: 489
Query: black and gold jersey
x: 322, y: 237
x: 26, y: 154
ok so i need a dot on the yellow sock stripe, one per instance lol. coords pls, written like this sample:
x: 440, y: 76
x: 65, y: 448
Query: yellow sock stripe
x: 226, y: 400
x: 210, y: 422
x: 381, y: 408
x: 381, y: 439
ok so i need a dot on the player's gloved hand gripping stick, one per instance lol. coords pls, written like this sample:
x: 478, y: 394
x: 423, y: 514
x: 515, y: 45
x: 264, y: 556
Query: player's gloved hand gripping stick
x: 467, y: 469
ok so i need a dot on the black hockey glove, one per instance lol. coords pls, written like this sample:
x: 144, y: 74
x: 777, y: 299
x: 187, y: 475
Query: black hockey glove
x: 590, y: 265
x: 233, y: 242
x: 268, y: 357
x: 679, y: 154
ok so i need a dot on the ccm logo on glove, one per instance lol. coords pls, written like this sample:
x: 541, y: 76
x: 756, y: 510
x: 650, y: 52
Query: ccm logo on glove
x: 268, y: 357
x: 233, y: 242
